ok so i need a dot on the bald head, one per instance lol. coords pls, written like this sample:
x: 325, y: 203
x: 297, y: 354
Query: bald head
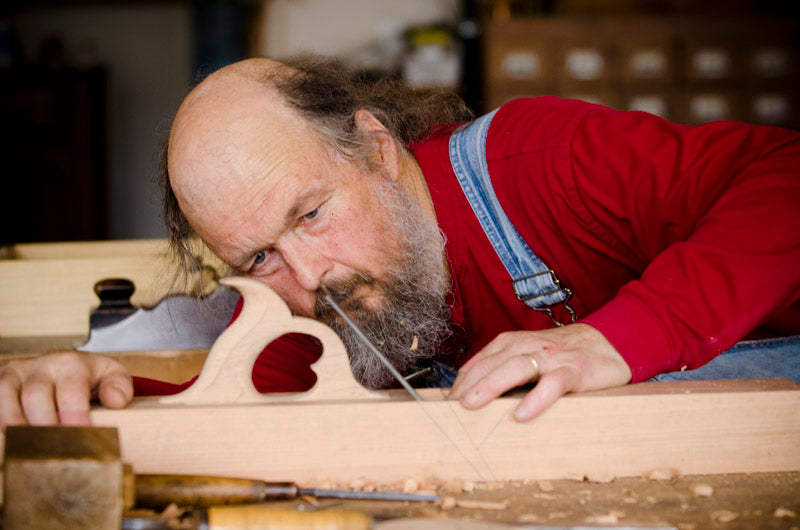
x: 229, y: 135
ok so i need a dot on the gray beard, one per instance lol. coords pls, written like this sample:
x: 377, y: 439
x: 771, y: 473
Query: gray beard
x: 413, y: 321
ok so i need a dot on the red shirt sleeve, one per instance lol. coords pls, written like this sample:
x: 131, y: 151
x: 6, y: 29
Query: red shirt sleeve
x: 283, y: 366
x: 714, y: 214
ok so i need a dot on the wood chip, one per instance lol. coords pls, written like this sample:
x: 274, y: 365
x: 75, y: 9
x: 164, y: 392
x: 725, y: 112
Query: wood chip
x: 661, y: 474
x: 545, y: 486
x: 410, y: 486
x: 702, y: 490
x: 544, y: 496
x: 611, y: 517
x: 482, y: 505
x: 414, y: 344
x: 358, y: 484
x: 784, y: 512
x: 723, y: 516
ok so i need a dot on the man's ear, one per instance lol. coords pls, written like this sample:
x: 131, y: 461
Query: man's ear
x: 384, y: 149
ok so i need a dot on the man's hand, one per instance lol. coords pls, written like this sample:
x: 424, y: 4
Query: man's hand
x: 573, y: 358
x: 56, y: 388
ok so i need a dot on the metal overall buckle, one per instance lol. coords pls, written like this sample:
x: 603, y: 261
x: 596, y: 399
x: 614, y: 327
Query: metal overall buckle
x: 548, y: 309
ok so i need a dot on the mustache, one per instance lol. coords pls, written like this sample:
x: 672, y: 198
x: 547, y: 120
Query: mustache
x: 340, y: 290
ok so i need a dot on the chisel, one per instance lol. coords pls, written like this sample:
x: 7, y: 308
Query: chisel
x: 158, y: 491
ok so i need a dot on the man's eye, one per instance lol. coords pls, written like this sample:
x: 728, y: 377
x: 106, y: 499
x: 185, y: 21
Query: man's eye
x: 260, y: 258
x: 312, y: 214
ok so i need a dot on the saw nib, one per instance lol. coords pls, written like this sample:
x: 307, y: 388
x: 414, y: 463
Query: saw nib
x: 367, y: 495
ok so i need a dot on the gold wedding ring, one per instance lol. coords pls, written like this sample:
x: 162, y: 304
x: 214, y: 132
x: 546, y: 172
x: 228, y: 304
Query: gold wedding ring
x: 535, y: 364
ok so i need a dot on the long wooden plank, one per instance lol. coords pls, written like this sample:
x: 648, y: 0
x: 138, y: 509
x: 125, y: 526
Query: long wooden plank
x: 657, y: 425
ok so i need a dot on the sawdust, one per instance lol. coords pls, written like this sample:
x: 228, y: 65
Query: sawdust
x: 701, y: 489
x: 482, y: 505
x: 611, y: 517
x: 723, y: 516
x: 784, y: 512
x: 661, y: 474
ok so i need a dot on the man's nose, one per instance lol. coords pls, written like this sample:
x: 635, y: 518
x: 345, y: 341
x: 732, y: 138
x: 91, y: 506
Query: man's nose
x: 307, y: 264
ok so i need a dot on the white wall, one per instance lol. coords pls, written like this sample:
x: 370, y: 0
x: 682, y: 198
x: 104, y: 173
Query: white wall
x: 147, y: 51
x: 341, y: 27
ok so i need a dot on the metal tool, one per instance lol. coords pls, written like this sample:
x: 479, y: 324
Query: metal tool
x: 397, y: 375
x: 178, y: 322
x: 158, y: 491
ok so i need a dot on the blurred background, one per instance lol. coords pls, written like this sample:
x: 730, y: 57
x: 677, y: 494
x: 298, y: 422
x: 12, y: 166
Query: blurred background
x: 88, y: 88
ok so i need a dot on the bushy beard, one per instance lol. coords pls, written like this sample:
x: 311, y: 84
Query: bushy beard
x: 413, y: 319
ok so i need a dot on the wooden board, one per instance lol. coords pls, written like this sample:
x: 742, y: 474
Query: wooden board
x: 47, y: 289
x: 342, y: 431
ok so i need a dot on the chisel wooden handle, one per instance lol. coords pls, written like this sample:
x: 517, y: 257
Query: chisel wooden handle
x: 260, y: 517
x: 158, y: 491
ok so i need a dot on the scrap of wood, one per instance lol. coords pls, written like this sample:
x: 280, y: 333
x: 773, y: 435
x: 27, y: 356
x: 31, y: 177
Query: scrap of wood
x: 48, y: 288
x: 343, y: 431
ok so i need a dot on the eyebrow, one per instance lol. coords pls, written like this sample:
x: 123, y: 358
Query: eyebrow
x: 288, y: 221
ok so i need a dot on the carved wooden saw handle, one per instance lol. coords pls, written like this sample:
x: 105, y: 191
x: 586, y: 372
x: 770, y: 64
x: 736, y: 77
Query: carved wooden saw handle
x: 227, y: 374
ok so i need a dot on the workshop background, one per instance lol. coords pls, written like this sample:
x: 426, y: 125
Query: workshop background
x: 88, y: 88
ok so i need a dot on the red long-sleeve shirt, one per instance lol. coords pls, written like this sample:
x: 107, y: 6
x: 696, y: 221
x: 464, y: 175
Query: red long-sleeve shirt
x: 676, y: 241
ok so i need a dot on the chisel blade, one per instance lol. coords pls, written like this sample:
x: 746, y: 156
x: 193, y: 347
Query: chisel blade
x: 367, y: 495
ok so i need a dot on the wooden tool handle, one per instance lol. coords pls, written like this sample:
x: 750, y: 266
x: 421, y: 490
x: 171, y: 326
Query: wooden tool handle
x: 158, y: 491
x: 260, y: 517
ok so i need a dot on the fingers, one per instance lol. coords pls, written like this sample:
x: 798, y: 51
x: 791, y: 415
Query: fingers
x: 10, y: 407
x: 569, y: 359
x: 487, y: 381
x: 546, y: 392
x: 57, y: 388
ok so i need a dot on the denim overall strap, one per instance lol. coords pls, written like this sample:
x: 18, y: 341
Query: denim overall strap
x: 534, y: 283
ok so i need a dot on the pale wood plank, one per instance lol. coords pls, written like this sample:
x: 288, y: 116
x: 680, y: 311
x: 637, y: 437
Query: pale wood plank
x: 596, y: 436
x: 47, y: 289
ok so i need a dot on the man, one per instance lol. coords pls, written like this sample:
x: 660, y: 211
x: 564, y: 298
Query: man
x: 674, y: 242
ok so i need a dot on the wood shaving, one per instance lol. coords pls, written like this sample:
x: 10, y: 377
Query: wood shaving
x: 702, y: 490
x: 545, y: 486
x: 629, y: 500
x: 482, y: 505
x: 410, y: 485
x: 448, y: 502
x: 661, y: 474
x: 784, y: 512
x: 544, y: 496
x: 723, y: 516
x: 611, y: 517
x: 308, y: 499
x: 414, y: 344
x: 527, y: 518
